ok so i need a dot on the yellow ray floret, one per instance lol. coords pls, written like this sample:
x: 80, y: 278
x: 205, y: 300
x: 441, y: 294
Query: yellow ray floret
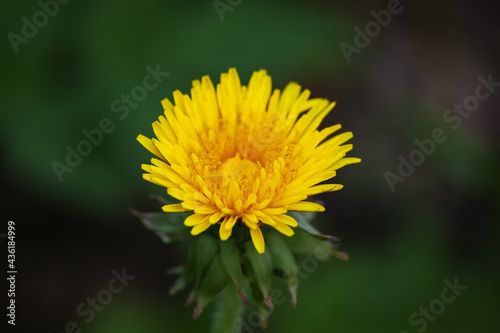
x: 247, y: 155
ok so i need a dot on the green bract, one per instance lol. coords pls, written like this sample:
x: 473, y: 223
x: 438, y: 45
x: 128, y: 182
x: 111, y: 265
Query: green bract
x: 233, y: 269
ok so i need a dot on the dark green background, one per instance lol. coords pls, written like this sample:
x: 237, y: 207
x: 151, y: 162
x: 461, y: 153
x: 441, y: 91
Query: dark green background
x: 441, y: 223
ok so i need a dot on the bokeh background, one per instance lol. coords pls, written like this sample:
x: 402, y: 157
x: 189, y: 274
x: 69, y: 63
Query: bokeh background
x: 441, y: 223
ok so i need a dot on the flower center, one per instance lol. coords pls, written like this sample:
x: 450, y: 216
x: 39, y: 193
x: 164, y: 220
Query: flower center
x: 240, y: 152
x: 239, y: 169
x: 243, y: 171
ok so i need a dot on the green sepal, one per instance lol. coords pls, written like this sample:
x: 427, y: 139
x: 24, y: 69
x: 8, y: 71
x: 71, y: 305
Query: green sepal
x: 262, y: 267
x: 227, y: 314
x: 210, y: 286
x: 231, y: 261
x: 181, y: 281
x: 303, y: 243
x: 187, y: 273
x: 260, y: 302
x: 205, y: 247
x: 168, y: 226
x: 162, y: 201
x: 285, y: 261
x: 265, y: 312
x: 200, y: 255
x: 304, y: 221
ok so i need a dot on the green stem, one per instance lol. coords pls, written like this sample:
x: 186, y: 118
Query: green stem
x: 228, y: 311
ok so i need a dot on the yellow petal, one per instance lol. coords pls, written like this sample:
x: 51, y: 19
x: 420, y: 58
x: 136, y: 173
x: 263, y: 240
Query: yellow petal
x: 289, y: 200
x: 286, y: 219
x: 214, y: 218
x: 206, y: 210
x: 158, y: 181
x: 258, y: 239
x: 306, y: 206
x: 224, y: 231
x: 176, y: 193
x: 265, y: 218
x: 251, y: 217
x: 148, y: 144
x: 167, y: 105
x: 252, y: 198
x: 199, y: 228
x: 175, y: 208
x: 249, y: 224
x: 284, y: 229
x: 274, y: 211
x: 345, y: 161
x: 231, y: 222
x: 323, y: 188
x: 195, y: 219
x: 193, y: 205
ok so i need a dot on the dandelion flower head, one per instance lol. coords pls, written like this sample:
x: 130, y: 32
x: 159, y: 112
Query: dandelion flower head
x: 244, y: 155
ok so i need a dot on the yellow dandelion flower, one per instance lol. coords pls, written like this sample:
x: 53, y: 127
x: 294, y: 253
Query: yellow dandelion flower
x: 244, y: 155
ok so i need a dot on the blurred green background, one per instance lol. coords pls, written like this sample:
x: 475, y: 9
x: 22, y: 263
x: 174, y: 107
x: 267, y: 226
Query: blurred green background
x: 441, y: 223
